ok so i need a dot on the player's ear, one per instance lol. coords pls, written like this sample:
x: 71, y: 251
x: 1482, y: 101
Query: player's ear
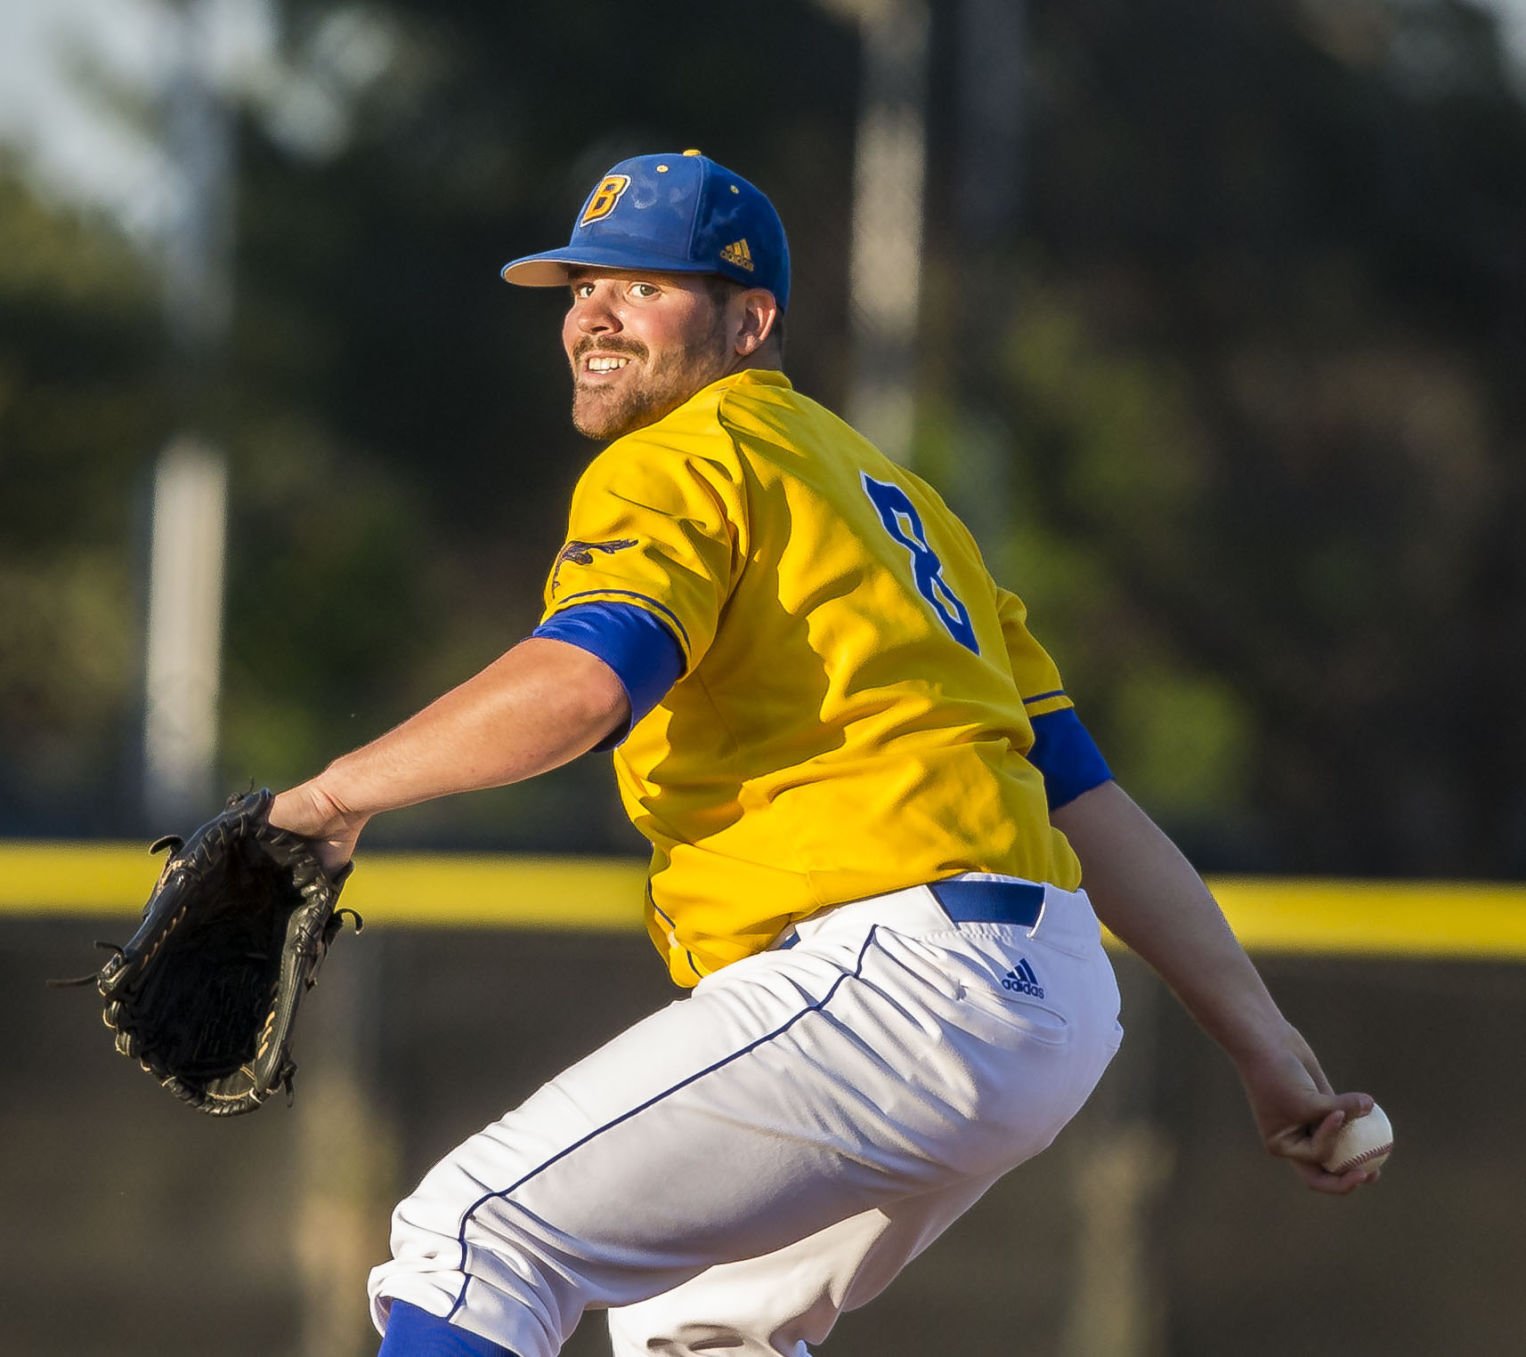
x: 754, y: 313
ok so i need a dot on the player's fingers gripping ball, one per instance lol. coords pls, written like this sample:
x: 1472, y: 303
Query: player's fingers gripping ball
x: 1363, y: 1142
x: 204, y: 995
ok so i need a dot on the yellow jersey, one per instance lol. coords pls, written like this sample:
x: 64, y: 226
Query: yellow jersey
x: 854, y: 712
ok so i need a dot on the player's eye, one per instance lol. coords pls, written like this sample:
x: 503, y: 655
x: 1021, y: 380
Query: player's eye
x: 582, y: 290
x: 644, y: 291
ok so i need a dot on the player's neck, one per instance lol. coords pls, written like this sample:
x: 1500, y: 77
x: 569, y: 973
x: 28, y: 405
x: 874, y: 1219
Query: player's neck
x: 767, y: 359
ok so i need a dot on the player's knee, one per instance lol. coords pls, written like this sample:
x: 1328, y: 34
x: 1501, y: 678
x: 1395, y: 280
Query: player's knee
x: 492, y: 1261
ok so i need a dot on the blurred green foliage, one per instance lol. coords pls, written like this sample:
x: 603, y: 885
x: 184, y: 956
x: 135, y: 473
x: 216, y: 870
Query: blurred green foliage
x: 1266, y: 368
x: 81, y: 408
x: 1249, y: 357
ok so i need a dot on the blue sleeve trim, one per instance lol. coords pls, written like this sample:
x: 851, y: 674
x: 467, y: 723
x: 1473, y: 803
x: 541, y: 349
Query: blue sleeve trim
x: 641, y: 650
x: 678, y: 627
x: 1044, y: 697
x: 1064, y: 752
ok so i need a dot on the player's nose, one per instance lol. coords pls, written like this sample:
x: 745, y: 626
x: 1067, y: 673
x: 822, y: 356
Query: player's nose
x: 592, y: 315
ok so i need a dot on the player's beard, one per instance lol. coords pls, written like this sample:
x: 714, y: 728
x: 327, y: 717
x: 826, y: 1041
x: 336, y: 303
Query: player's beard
x: 647, y: 393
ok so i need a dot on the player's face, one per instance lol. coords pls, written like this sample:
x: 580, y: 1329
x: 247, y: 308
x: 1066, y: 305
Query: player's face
x: 640, y: 345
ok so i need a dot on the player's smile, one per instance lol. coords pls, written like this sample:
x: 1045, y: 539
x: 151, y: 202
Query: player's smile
x: 596, y: 360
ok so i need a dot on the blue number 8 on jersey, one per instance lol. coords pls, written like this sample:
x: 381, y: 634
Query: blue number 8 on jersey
x: 904, y: 524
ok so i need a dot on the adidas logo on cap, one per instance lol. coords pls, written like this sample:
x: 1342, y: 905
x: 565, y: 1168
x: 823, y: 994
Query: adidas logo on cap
x: 738, y: 253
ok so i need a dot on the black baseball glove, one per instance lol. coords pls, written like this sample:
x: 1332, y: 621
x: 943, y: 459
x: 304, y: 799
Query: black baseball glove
x: 205, y: 994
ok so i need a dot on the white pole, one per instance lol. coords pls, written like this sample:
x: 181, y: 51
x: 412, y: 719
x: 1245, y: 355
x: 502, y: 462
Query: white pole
x: 185, y: 628
x: 988, y: 197
x: 182, y: 677
x: 885, y: 268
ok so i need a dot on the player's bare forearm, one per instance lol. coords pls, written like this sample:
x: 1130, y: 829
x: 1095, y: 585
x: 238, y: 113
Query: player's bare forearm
x: 534, y: 708
x: 1153, y: 900
x: 1151, y: 897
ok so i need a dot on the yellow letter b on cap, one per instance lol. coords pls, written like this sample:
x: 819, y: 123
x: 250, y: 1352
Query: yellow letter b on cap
x: 605, y: 197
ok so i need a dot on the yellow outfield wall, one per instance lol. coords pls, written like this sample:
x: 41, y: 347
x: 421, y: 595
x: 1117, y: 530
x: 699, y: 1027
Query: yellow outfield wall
x: 1335, y: 917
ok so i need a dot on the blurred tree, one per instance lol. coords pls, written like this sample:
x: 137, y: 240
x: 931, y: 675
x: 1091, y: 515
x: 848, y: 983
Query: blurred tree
x: 1265, y: 398
x: 81, y: 410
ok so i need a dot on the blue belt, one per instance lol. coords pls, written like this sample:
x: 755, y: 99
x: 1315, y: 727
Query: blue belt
x: 990, y: 902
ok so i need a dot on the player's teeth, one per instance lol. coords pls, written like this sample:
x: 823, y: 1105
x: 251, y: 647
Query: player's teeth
x: 606, y: 364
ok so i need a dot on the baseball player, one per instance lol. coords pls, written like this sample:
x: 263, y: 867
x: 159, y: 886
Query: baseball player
x: 872, y: 808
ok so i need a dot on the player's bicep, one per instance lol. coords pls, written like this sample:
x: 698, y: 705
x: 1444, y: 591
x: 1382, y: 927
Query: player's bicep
x: 638, y: 647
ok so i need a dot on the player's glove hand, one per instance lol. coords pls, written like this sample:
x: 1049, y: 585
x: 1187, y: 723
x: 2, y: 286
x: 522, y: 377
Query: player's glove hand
x: 204, y: 995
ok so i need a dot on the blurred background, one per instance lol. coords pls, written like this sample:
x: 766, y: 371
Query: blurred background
x: 1211, y: 320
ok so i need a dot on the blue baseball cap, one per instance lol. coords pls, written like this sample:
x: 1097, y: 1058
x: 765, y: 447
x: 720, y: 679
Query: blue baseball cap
x: 674, y: 213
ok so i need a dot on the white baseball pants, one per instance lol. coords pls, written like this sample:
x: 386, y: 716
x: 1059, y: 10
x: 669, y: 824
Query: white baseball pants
x: 733, y: 1172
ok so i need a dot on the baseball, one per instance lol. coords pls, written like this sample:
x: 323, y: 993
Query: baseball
x: 1362, y: 1143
